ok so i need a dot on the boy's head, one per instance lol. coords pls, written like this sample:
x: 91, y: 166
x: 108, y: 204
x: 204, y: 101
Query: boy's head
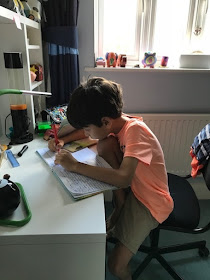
x: 93, y: 100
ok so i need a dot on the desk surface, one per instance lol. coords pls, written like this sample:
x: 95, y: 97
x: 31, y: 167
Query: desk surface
x: 54, y: 212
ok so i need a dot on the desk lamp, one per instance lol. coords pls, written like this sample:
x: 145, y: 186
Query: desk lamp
x: 14, y: 66
x: 20, y: 119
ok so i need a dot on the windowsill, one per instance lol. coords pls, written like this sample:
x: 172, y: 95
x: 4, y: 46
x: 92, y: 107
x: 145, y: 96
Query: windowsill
x: 157, y: 69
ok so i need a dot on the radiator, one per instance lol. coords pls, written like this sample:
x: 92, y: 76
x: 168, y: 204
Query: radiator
x: 176, y: 133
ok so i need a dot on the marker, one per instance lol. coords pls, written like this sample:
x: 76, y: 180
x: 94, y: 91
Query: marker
x: 55, y: 135
x: 25, y: 147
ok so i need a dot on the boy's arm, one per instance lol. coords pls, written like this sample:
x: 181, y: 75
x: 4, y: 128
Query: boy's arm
x: 76, y: 134
x: 66, y: 134
x: 121, y: 177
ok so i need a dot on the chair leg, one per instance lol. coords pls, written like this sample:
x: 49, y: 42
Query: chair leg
x: 156, y: 254
x: 168, y: 268
x: 145, y: 249
x: 141, y: 267
x: 154, y: 237
x: 182, y: 247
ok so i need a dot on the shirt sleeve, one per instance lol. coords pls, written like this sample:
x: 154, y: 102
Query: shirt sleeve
x: 138, y: 143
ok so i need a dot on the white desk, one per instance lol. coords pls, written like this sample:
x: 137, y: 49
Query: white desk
x: 64, y: 239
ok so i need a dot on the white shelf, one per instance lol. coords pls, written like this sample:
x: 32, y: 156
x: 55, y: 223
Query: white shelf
x: 33, y: 47
x: 35, y: 84
x: 140, y: 70
x: 7, y: 17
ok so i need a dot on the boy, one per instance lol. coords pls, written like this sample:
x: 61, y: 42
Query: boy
x: 134, y: 152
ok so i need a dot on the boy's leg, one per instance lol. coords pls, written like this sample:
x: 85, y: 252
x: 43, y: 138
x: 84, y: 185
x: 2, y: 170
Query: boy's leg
x: 109, y: 150
x: 118, y: 200
x: 118, y: 262
x: 132, y: 227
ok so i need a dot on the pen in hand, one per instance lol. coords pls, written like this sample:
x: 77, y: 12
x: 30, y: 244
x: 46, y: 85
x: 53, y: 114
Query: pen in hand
x: 56, y: 136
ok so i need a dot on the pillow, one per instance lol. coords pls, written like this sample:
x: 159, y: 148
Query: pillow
x: 57, y: 113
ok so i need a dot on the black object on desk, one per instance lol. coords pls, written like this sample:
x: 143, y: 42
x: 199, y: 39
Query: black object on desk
x: 11, y: 195
x: 25, y: 147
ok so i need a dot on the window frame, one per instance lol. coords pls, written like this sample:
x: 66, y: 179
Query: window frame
x: 145, y: 27
x: 98, y: 29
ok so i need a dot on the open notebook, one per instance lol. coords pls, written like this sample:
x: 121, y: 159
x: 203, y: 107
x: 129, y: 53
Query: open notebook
x: 78, y: 185
x: 79, y: 144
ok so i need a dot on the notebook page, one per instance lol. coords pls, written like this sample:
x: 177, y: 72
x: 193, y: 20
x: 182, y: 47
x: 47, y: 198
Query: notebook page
x: 77, y: 184
x: 47, y: 156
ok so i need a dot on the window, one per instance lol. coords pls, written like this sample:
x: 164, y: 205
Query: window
x: 168, y: 28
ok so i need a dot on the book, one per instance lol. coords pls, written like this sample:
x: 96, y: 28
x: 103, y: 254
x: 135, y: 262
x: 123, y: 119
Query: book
x: 80, y: 144
x: 79, y: 186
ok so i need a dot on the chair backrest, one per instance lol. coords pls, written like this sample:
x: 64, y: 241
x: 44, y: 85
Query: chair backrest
x: 206, y: 174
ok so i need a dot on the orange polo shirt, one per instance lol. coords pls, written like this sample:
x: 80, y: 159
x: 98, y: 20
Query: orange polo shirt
x: 150, y: 182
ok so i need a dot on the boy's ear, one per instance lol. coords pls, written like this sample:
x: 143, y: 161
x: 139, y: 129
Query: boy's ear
x: 106, y: 121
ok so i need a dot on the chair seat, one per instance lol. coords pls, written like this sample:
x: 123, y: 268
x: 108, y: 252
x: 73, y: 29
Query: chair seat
x: 186, y: 213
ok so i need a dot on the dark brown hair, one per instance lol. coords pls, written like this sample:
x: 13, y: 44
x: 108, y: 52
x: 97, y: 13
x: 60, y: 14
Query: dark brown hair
x: 93, y: 100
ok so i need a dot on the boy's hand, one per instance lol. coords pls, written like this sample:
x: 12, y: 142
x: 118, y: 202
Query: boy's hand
x: 53, y: 147
x: 65, y: 159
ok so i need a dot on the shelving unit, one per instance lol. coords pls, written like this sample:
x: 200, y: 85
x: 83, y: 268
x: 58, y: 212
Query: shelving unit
x: 36, y: 84
x: 6, y: 16
x: 33, y: 47
x: 26, y: 40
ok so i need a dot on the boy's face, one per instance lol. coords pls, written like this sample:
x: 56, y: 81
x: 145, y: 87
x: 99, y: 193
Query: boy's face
x: 99, y: 133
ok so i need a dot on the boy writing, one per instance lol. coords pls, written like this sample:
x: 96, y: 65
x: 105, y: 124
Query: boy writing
x: 137, y: 160
x: 66, y: 134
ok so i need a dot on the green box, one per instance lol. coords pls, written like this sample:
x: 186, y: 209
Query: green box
x: 43, y: 126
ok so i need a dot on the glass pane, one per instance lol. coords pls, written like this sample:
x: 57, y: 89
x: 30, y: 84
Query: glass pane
x: 120, y: 26
x: 205, y: 43
x: 170, y: 28
x: 201, y: 43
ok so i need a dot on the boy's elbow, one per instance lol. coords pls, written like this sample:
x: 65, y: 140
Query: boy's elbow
x: 125, y: 182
